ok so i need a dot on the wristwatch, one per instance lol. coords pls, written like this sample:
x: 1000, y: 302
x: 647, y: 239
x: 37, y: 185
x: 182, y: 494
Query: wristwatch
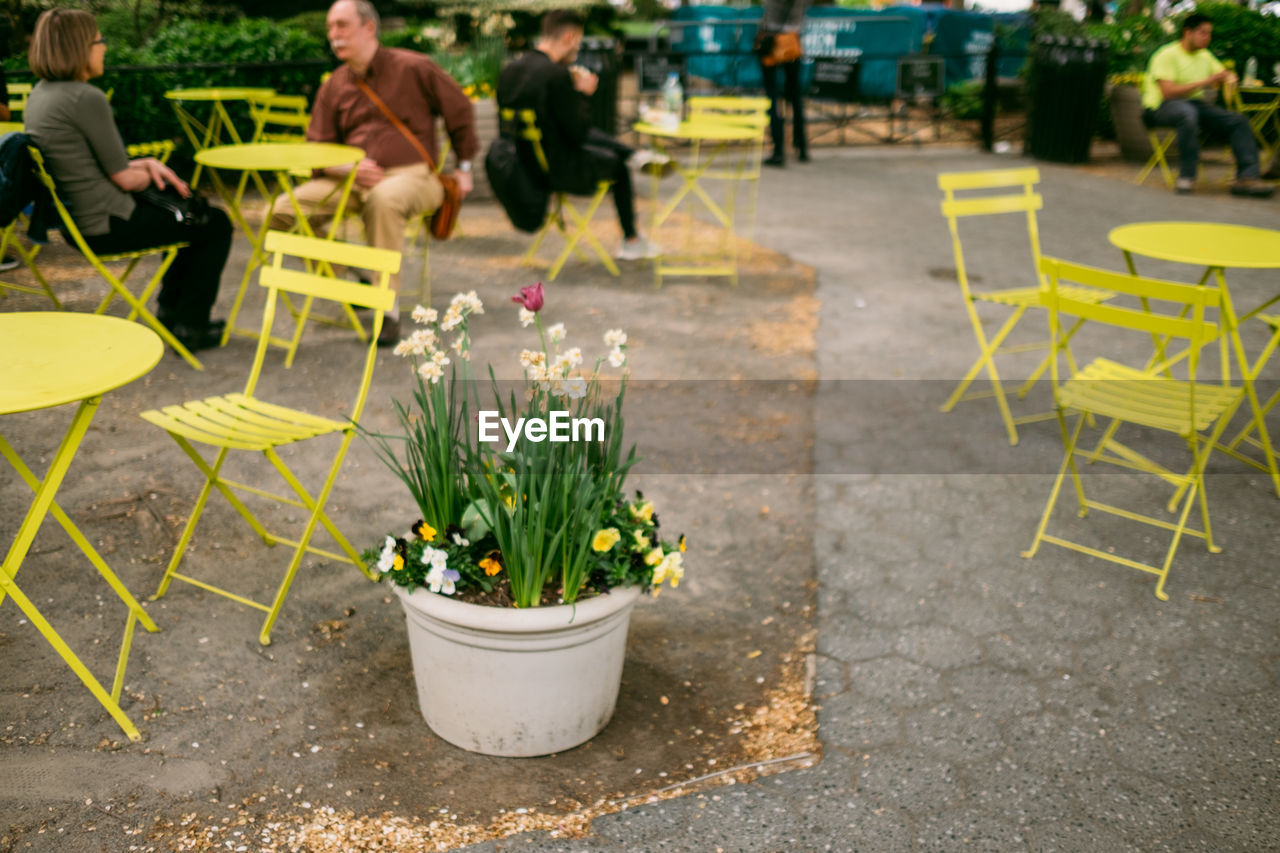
x: 464, y: 166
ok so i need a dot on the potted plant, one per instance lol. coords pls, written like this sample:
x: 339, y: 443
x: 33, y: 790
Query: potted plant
x: 519, y: 577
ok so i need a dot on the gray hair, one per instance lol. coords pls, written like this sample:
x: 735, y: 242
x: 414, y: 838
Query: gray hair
x: 366, y: 12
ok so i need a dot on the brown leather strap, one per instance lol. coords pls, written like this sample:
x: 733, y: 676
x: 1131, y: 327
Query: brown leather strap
x: 399, y: 125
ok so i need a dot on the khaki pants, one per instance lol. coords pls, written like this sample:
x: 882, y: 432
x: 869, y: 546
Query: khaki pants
x: 404, y: 193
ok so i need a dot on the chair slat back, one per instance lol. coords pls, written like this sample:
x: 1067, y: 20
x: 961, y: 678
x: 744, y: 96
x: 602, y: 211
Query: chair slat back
x: 68, y: 224
x: 526, y: 129
x: 747, y: 111
x: 315, y: 252
x: 1017, y: 195
x: 161, y: 149
x: 286, y: 115
x: 18, y: 94
x: 1166, y: 310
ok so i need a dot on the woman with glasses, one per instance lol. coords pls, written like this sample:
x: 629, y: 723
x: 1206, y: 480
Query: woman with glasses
x: 72, y: 123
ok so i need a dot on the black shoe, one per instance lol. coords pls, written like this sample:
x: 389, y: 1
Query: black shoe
x: 389, y: 336
x: 1272, y: 174
x: 197, y: 337
x: 1252, y: 188
x: 803, y: 157
x: 8, y: 262
x: 776, y: 159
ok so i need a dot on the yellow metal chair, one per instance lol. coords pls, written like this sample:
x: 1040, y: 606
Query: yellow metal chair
x: 750, y: 112
x: 1145, y: 397
x: 279, y: 118
x: 137, y: 304
x: 1162, y: 138
x: 1008, y: 191
x: 561, y: 206
x: 245, y: 422
x: 9, y: 240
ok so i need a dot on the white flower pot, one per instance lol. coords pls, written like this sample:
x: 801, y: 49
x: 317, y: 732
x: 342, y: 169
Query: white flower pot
x: 503, y: 681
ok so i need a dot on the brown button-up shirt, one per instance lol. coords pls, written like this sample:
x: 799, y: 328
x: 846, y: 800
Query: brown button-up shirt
x: 415, y: 88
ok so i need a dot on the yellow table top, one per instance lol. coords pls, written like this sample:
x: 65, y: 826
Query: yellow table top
x: 56, y: 357
x: 231, y: 93
x: 1207, y: 244
x: 703, y: 130
x: 279, y: 156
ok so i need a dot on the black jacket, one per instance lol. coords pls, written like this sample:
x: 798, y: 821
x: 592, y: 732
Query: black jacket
x: 20, y: 187
x: 535, y: 82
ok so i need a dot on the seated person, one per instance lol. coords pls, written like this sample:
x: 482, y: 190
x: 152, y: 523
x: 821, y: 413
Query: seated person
x: 1173, y: 96
x: 578, y: 155
x: 72, y: 124
x: 393, y: 184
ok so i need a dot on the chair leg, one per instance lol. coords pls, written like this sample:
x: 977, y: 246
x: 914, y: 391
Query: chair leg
x: 988, y: 349
x: 1069, y: 442
x: 302, y: 546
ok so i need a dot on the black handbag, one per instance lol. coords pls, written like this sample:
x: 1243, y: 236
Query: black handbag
x: 192, y: 211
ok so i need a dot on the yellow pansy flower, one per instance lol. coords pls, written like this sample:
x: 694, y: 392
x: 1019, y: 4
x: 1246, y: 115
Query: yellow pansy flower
x: 605, y: 539
x: 424, y: 531
x: 491, y: 566
x: 642, y: 512
x: 653, y: 558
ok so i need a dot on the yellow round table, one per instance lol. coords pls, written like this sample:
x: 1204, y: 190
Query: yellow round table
x: 204, y: 134
x: 51, y: 358
x: 1216, y: 246
x: 695, y: 171
x: 283, y: 160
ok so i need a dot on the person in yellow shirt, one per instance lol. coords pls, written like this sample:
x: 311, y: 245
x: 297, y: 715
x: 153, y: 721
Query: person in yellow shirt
x: 1173, y: 95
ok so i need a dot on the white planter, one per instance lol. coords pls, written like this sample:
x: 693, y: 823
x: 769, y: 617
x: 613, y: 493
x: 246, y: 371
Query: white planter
x: 510, y: 682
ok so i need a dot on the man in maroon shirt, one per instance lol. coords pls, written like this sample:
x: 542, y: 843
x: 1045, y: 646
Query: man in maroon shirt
x: 393, y: 183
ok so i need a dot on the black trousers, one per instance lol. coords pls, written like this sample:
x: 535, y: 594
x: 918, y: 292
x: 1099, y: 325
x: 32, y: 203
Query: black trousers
x: 190, y: 285
x: 609, y: 163
x: 791, y: 90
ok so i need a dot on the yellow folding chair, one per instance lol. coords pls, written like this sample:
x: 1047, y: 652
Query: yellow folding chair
x: 1162, y: 138
x: 561, y: 206
x: 1145, y: 397
x: 1008, y: 191
x: 245, y: 422
x: 279, y: 118
x: 9, y: 240
x: 750, y: 112
x: 137, y: 304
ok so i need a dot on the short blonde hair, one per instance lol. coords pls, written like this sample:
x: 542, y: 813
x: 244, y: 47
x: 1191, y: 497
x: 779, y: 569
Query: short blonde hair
x: 61, y: 43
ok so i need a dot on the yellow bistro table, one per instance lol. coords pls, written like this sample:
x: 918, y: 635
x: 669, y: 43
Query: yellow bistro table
x: 52, y: 358
x: 1217, y: 246
x: 709, y: 143
x: 282, y: 160
x: 207, y: 133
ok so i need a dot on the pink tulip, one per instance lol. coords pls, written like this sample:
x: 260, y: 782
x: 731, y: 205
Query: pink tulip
x: 530, y: 297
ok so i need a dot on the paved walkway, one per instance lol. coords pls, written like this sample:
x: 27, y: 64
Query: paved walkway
x: 971, y: 699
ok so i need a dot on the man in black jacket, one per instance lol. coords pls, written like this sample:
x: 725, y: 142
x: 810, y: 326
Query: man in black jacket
x: 578, y: 155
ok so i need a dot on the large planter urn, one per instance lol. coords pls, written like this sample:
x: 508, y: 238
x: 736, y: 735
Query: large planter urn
x: 1126, y: 115
x: 517, y: 682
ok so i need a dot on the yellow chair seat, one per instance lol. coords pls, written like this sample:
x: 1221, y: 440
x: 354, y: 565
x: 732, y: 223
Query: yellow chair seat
x: 1029, y: 297
x: 241, y: 422
x: 1112, y: 390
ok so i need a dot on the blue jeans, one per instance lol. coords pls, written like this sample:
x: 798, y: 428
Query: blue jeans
x: 1189, y: 116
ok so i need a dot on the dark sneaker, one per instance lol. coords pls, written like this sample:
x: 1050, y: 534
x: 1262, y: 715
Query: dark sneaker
x: 9, y: 262
x: 389, y: 336
x: 197, y: 338
x: 1184, y: 186
x: 1253, y: 188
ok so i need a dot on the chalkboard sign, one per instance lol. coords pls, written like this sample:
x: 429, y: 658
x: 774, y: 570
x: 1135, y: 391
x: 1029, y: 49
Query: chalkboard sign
x: 652, y: 70
x: 919, y: 76
x: 835, y: 80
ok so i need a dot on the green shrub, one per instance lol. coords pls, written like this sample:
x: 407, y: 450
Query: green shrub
x: 1239, y: 33
x: 1133, y: 40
